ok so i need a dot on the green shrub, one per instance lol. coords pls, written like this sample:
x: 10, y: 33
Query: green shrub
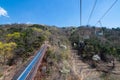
x: 1, y: 75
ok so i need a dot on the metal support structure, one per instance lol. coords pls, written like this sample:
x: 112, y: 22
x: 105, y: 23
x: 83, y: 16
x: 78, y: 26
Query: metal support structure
x: 80, y: 12
x: 80, y: 19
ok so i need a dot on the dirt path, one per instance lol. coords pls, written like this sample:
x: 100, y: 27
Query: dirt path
x: 81, y: 69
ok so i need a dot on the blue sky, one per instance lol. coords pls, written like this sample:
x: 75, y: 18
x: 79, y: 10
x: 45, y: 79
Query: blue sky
x: 58, y: 12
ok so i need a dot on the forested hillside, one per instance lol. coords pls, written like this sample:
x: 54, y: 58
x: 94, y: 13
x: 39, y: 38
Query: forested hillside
x: 18, y: 42
x: 96, y: 40
x: 27, y: 38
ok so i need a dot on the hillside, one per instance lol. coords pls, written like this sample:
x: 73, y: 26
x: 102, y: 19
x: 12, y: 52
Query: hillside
x: 19, y: 42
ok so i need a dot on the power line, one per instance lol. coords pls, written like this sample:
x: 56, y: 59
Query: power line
x: 92, y: 11
x: 80, y: 12
x: 107, y: 11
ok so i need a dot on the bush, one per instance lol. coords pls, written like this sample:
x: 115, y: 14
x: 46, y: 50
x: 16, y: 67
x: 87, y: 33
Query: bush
x: 1, y: 75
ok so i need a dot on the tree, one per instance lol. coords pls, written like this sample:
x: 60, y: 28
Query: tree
x: 13, y: 36
x: 6, y: 50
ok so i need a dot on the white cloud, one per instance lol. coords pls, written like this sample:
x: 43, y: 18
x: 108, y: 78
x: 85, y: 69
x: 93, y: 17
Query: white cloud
x: 3, y: 12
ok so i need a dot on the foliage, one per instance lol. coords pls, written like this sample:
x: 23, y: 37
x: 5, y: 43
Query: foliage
x: 14, y: 35
x: 37, y: 29
x: 39, y: 26
x: 27, y: 39
x: 6, y: 50
x: 1, y: 75
x: 108, y: 44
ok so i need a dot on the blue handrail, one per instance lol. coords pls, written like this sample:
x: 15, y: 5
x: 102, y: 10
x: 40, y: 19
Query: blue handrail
x: 28, y: 69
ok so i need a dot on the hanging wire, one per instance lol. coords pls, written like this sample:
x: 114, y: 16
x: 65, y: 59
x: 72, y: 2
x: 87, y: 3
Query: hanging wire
x: 92, y: 11
x: 106, y: 11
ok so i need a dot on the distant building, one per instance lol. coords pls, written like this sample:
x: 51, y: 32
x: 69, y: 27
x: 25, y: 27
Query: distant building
x: 98, y: 33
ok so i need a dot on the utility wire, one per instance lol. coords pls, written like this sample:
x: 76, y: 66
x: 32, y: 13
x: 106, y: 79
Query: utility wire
x: 92, y: 11
x: 107, y: 11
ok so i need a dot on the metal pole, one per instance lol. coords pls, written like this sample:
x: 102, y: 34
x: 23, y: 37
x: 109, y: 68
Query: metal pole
x: 80, y: 12
x: 80, y: 19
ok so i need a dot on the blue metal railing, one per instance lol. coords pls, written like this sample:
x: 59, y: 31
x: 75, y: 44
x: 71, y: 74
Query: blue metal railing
x: 32, y: 64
